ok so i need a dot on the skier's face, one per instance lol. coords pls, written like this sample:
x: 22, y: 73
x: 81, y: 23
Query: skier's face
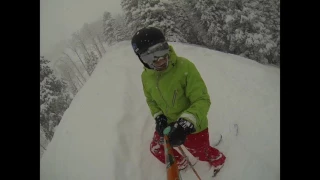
x: 161, y: 63
x: 156, y: 56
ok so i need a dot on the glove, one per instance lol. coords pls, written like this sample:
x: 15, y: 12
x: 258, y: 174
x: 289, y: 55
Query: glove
x: 161, y: 124
x: 179, y: 131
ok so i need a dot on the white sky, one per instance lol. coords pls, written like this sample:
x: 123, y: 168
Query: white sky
x: 60, y: 18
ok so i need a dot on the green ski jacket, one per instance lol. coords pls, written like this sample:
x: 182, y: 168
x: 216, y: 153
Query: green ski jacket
x: 178, y: 91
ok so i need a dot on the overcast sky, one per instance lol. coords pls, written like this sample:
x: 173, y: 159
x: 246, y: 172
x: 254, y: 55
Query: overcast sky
x: 60, y: 18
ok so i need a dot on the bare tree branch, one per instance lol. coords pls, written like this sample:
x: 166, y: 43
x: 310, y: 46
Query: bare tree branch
x: 69, y: 75
x: 74, y: 49
x: 80, y: 40
x: 74, y: 65
x: 87, y: 29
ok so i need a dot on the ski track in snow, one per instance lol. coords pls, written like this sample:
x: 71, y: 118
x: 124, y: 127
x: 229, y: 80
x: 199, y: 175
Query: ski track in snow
x: 107, y: 130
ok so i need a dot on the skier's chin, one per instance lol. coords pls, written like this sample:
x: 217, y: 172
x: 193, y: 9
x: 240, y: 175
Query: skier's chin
x: 162, y: 67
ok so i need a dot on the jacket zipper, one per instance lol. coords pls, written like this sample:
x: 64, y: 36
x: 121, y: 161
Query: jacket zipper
x: 174, y: 97
x: 158, y: 79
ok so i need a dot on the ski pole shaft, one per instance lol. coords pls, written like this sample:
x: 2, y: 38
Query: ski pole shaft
x: 171, y: 163
x: 186, y: 157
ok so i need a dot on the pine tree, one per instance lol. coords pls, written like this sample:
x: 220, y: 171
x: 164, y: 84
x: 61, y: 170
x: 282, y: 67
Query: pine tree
x: 151, y: 13
x: 270, y: 12
x: 54, y: 99
x: 130, y: 8
x: 121, y: 31
x: 212, y: 15
x: 249, y: 28
x: 181, y: 14
x: 108, y: 25
x: 193, y: 28
x: 92, y: 62
x: 248, y: 34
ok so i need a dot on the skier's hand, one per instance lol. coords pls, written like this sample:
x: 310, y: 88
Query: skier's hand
x: 161, y: 124
x: 179, y: 131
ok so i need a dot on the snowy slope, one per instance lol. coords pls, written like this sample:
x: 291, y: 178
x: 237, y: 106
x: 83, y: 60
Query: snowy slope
x: 106, y: 131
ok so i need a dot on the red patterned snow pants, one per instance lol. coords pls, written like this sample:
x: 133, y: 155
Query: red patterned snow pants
x: 197, y: 144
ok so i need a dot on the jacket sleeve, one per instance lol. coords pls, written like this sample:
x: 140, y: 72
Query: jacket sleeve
x: 155, y: 110
x: 196, y: 92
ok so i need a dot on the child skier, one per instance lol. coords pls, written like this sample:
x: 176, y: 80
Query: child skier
x: 177, y: 96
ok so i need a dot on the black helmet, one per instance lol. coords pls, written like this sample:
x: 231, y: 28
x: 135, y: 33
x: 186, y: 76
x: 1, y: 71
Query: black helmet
x: 145, y: 38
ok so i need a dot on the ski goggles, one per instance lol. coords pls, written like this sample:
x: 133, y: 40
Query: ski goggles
x: 154, y: 53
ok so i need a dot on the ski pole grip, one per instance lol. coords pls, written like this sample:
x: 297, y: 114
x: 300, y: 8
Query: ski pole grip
x: 167, y: 130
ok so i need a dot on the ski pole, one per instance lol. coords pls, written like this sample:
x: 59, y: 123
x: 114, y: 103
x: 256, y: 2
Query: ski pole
x: 171, y: 163
x: 187, y: 158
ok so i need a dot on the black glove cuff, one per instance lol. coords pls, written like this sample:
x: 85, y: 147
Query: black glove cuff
x: 161, y: 118
x: 161, y: 123
x: 187, y: 126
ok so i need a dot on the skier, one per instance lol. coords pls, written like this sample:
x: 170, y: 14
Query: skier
x: 177, y: 96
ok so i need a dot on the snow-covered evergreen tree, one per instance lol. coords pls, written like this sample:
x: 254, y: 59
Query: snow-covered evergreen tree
x: 152, y: 13
x: 250, y: 28
x: 108, y: 25
x: 183, y: 18
x: 121, y: 31
x: 247, y: 32
x: 130, y: 7
x: 270, y: 11
x: 115, y: 28
x: 43, y: 141
x: 54, y: 99
x: 92, y: 62
x: 212, y: 14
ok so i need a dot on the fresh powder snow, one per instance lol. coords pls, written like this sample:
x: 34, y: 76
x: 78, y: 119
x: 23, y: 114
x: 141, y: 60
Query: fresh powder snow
x: 106, y: 132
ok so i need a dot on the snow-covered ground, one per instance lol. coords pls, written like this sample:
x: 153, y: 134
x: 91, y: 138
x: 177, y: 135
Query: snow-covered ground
x: 106, y: 132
